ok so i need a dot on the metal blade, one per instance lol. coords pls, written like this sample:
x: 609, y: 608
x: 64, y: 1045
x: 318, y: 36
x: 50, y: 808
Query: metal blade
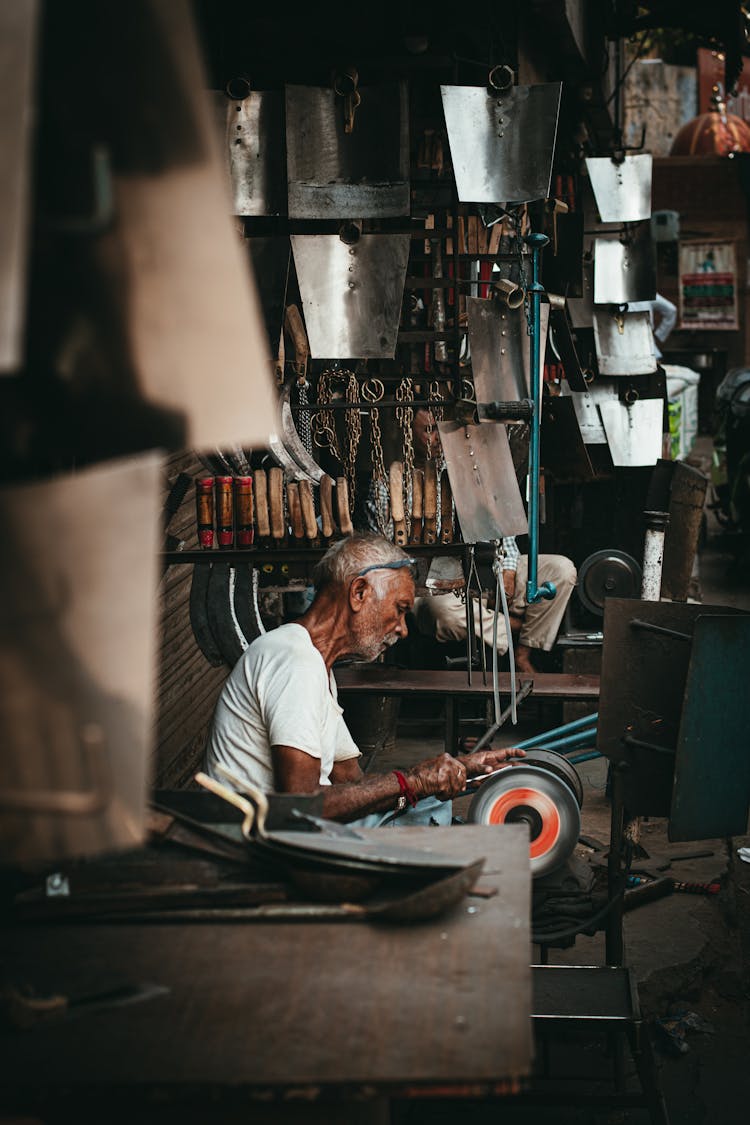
x: 245, y: 598
x: 293, y: 442
x: 351, y: 295
x: 634, y: 430
x: 251, y: 133
x: 230, y: 640
x: 622, y: 189
x: 269, y: 260
x: 500, y: 356
x: 485, y: 490
x: 283, y: 458
x: 624, y: 272
x: 502, y: 144
x: 586, y: 405
x: 204, y: 637
x: 333, y: 174
x: 624, y: 343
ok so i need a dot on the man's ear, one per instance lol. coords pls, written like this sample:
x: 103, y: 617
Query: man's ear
x: 359, y: 591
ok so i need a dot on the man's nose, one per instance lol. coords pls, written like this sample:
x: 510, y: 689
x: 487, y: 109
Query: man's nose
x: 402, y: 628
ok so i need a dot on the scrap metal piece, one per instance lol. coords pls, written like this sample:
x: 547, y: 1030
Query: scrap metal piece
x: 445, y: 573
x: 245, y: 598
x: 622, y: 188
x: 199, y: 622
x: 502, y: 143
x: 687, y: 499
x: 485, y: 491
x: 711, y: 791
x: 77, y: 663
x: 624, y: 343
x: 643, y: 678
x: 625, y: 271
x: 18, y: 34
x: 500, y: 355
x: 251, y: 131
x: 222, y: 618
x: 634, y: 430
x: 351, y: 295
x: 347, y: 175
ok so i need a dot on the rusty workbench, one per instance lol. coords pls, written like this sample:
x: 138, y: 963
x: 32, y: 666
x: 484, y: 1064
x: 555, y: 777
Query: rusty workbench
x: 379, y: 679
x: 261, y: 1012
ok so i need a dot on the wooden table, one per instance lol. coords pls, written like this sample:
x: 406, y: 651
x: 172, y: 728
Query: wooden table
x: 268, y: 1010
x: 379, y: 679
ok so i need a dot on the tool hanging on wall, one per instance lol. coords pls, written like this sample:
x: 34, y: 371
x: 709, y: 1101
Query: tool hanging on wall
x: 417, y: 510
x: 372, y: 392
x: 405, y: 422
x: 323, y: 421
x: 398, y: 514
x: 430, y: 502
x: 353, y: 425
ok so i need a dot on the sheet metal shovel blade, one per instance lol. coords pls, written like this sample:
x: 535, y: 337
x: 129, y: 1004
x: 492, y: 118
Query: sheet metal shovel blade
x: 337, y: 175
x: 483, y: 480
x: 624, y: 343
x: 622, y: 189
x: 351, y: 294
x: 624, y: 271
x: 502, y: 144
x: 500, y: 355
x: 251, y: 132
x: 633, y: 431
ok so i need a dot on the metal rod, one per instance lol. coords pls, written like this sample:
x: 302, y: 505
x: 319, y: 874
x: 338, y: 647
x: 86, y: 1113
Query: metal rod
x: 585, y: 757
x: 637, y: 742
x: 568, y: 728
x: 490, y: 733
x: 570, y: 740
x: 537, y: 242
x: 638, y: 624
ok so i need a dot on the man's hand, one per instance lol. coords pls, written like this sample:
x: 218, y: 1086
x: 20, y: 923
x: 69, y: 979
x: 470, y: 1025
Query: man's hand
x: 485, y: 761
x: 442, y: 777
x: 509, y: 583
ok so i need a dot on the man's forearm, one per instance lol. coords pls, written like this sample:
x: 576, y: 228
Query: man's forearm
x: 350, y: 800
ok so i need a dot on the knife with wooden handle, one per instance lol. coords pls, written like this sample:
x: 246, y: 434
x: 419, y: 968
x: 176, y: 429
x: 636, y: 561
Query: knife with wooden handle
x: 446, y: 509
x: 342, y: 505
x: 307, y: 503
x: 243, y: 510
x: 327, y: 526
x: 430, y: 503
x: 417, y: 491
x: 396, y: 479
x: 295, y: 510
x: 261, y: 504
x: 276, y: 504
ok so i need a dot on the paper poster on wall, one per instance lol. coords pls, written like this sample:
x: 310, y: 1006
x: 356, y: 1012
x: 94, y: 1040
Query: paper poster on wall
x: 708, y: 285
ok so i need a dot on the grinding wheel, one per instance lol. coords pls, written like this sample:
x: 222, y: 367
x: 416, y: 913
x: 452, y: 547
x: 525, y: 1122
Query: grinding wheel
x: 607, y: 574
x: 531, y: 794
x: 560, y: 766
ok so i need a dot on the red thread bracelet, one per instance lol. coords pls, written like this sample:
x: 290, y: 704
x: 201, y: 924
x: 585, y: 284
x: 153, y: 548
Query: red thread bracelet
x: 406, y: 789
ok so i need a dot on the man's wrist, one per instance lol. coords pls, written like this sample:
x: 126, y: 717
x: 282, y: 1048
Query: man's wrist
x: 407, y: 794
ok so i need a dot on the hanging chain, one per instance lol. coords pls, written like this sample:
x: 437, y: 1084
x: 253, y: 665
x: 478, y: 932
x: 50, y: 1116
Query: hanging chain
x: 323, y: 423
x: 405, y: 420
x: 353, y: 424
x: 372, y: 392
x: 304, y: 420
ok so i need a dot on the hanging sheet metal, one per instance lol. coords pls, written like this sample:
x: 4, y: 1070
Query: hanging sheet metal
x: 586, y: 404
x: 500, y: 356
x: 502, y: 144
x: 483, y: 481
x: 711, y: 792
x: 581, y: 308
x: 624, y: 271
x: 251, y: 132
x: 634, y: 431
x: 18, y: 36
x: 351, y: 295
x: 78, y: 631
x: 624, y: 343
x: 622, y: 189
x: 339, y: 175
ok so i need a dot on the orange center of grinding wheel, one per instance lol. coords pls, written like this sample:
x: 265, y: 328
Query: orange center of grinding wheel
x: 513, y: 802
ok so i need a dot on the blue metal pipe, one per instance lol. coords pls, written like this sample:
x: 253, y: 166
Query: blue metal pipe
x: 582, y: 736
x: 567, y: 728
x: 585, y: 757
x: 536, y: 242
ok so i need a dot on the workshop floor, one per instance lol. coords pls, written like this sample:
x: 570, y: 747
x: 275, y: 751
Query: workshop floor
x: 690, y: 953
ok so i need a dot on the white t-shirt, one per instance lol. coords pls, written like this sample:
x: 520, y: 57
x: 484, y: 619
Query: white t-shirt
x: 278, y: 694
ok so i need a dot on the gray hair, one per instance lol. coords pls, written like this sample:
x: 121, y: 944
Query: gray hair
x: 347, y: 557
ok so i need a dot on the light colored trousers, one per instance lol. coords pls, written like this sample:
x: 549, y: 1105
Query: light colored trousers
x: 427, y: 811
x: 443, y: 616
